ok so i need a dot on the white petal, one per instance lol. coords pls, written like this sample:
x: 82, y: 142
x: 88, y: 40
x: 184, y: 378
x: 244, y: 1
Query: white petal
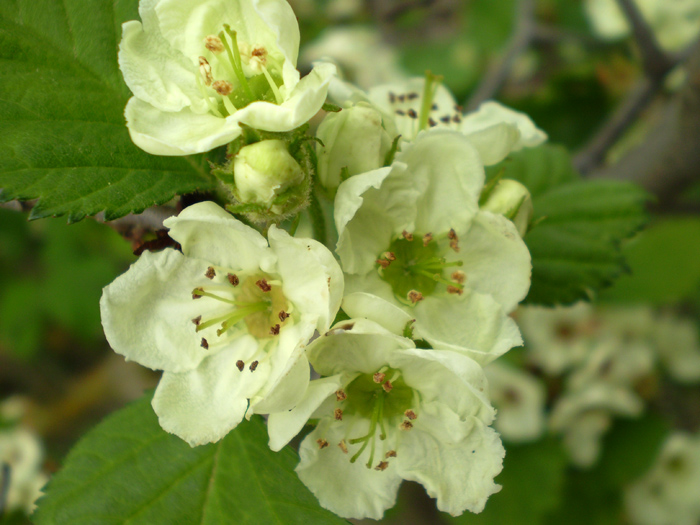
x: 460, y: 475
x: 208, y: 232
x: 495, y: 142
x: 311, y: 278
x: 350, y: 490
x: 205, y: 404
x: 288, y: 389
x: 147, y: 312
x: 371, y: 307
x: 283, y: 426
x: 491, y: 113
x: 496, y: 260
x: 472, y: 323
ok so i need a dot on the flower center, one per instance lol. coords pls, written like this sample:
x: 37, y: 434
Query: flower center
x: 257, y: 301
x: 415, y: 266
x: 385, y: 400
x: 244, y: 73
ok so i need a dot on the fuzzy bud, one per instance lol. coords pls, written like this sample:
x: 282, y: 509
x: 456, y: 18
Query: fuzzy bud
x: 513, y: 200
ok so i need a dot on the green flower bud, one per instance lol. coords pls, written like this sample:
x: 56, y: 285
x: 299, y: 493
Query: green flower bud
x: 512, y: 200
x: 355, y: 141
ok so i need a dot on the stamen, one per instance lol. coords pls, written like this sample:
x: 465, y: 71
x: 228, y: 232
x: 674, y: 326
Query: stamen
x: 340, y: 395
x: 390, y: 454
x: 253, y: 366
x: 223, y: 88
x: 458, y: 290
x: 382, y: 465
x: 204, y: 344
x: 459, y: 276
x: 343, y: 446
x: 283, y: 316
x: 205, y: 71
x: 197, y: 320
x: 278, y: 96
x: 410, y: 414
x: 407, y: 236
x: 210, y: 273
x: 389, y: 256
x: 412, y: 96
x: 430, y: 87
x: 412, y: 113
x: 214, y: 44
x: 427, y: 238
x: 263, y: 285
x: 241, y: 314
x: 387, y: 386
x: 400, y: 112
x: 234, y: 57
x: 275, y: 330
x: 454, y: 244
x: 338, y: 414
x: 414, y: 296
x: 233, y: 279
x: 322, y: 443
x: 384, y: 263
x: 379, y: 377
x: 240, y: 364
x: 406, y: 425
x: 196, y: 293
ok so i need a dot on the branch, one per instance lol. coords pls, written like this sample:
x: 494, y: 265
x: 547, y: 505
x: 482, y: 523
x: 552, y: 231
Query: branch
x: 498, y: 73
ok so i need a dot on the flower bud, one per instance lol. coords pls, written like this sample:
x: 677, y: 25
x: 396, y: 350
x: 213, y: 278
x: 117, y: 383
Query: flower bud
x: 513, y: 200
x: 354, y: 138
x: 264, y: 170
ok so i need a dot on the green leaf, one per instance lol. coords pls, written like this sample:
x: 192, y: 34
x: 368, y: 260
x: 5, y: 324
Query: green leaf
x: 63, y: 137
x: 579, y: 225
x: 655, y: 276
x: 128, y: 470
x: 532, y: 480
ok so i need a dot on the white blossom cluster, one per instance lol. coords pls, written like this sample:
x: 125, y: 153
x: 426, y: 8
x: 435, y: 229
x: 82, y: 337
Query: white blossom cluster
x: 606, y: 361
x: 235, y: 319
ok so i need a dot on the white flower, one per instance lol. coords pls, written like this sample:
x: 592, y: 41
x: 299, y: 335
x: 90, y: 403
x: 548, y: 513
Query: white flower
x: 419, y: 104
x: 388, y: 411
x: 512, y: 200
x: 226, y: 320
x: 519, y: 399
x: 199, y: 68
x: 669, y: 493
x: 413, y: 234
x: 675, y: 23
x: 678, y: 347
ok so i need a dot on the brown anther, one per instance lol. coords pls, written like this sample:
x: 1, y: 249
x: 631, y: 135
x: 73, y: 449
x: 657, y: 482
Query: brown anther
x: 454, y: 244
x: 204, y: 344
x: 338, y: 414
x: 414, y: 296
x: 275, y: 330
x: 222, y: 87
x: 233, y: 279
x: 389, y: 256
x: 383, y: 263
x: 197, y: 293
x: 412, y: 113
x: 387, y: 386
x: 283, y: 316
x: 197, y: 320
x: 322, y: 443
x: 262, y: 284
x: 455, y: 290
x: 452, y: 234
x: 427, y: 238
x: 253, y: 366
x: 390, y: 454
x: 240, y: 364
x: 400, y: 112
x: 342, y: 446
x: 340, y: 395
x: 410, y: 414
x: 432, y: 122
x: 456, y: 119
x: 406, y: 425
x: 214, y: 44
x: 459, y: 276
x: 446, y: 119
x: 205, y: 71
x: 382, y: 465
x: 407, y: 236
x: 412, y: 96
x: 434, y: 107
x: 458, y: 108
x: 259, y: 52
x: 210, y: 273
x: 401, y: 98
x: 379, y: 377
x: 392, y: 97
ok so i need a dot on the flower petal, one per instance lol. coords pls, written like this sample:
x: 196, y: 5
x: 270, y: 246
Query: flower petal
x: 492, y: 113
x: 495, y: 142
x: 203, y: 405
x: 368, y: 306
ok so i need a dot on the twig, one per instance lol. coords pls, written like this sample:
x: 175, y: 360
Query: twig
x: 654, y: 59
x: 498, y: 73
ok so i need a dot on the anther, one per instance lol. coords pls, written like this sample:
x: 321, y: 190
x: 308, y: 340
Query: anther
x: 459, y: 276
x: 434, y: 107
x: 446, y: 119
x: 392, y: 97
x: 338, y: 414
x: 322, y: 443
x: 455, y: 290
x: 283, y: 316
x: 410, y: 414
x: 205, y: 71
x: 240, y: 364
x: 452, y: 234
x: 214, y: 44
x: 412, y: 113
x: 382, y: 465
x: 379, y: 377
x: 456, y: 119
x: 387, y: 386
x: 275, y: 330
x: 427, y: 238
x: 223, y: 87
x: 204, y: 344
x: 412, y: 96
x: 383, y: 263
x: 340, y: 395
x: 210, y: 274
x: 197, y: 293
x: 407, y: 236
x: 414, y: 296
x: 233, y: 279
x: 454, y: 244
x: 432, y: 122
x: 389, y: 256
x: 262, y: 284
x: 253, y: 366
x: 401, y: 98
x: 342, y: 446
x: 400, y: 112
x: 390, y: 454
x: 406, y: 425
x: 458, y: 108
x: 197, y: 320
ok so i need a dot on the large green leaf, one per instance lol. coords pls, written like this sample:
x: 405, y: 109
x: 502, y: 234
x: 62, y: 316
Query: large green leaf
x: 128, y: 470
x: 579, y: 224
x: 63, y: 137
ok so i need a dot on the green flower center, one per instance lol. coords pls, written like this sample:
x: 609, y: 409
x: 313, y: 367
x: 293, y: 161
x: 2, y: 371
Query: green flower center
x: 257, y: 301
x: 415, y: 266
x: 245, y: 74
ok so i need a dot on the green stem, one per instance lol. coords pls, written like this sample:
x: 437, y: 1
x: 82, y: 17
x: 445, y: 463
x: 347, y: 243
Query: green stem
x: 318, y: 220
